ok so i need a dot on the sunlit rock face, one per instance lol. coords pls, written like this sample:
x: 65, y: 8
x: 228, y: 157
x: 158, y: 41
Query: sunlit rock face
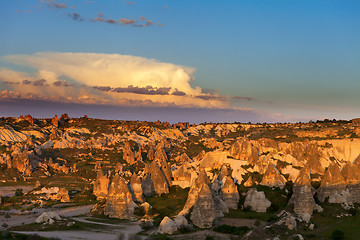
x: 119, y: 203
x: 182, y: 176
x: 128, y: 155
x: 302, y: 196
x: 201, y: 180
x: 101, y: 184
x: 158, y: 178
x: 137, y: 191
x: 332, y: 184
x: 257, y: 201
x: 243, y: 149
x: 229, y: 193
x: 273, y: 178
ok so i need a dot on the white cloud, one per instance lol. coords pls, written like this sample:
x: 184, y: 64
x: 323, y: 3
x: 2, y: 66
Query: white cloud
x: 112, y: 70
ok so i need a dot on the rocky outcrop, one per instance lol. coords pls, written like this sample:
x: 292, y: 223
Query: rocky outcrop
x: 183, y: 158
x: 332, y: 183
x: 244, y: 150
x: 201, y: 180
x: 249, y: 182
x: 204, y: 211
x: 62, y: 195
x: 302, y: 196
x: 168, y: 226
x: 128, y: 155
x: 147, y: 186
x: 158, y: 178
x: 136, y: 188
x: 229, y: 193
x: 257, y: 201
x: 273, y: 178
x: 182, y: 176
x: 101, y: 184
x: 119, y: 203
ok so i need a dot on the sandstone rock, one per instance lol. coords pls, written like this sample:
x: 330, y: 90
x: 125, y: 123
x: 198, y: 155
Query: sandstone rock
x: 62, y: 195
x: 243, y: 149
x: 331, y: 183
x: 229, y: 193
x: 136, y: 188
x: 204, y: 211
x: 350, y: 173
x: 201, y: 180
x: 160, y: 154
x: 119, y: 203
x: 101, y: 184
x: 183, y: 158
x: 160, y: 182
x: 302, y: 196
x: 181, y: 221
x: 287, y: 219
x: 249, y: 182
x: 151, y: 153
x: 147, y: 186
x: 128, y: 155
x: 273, y: 178
x: 55, y: 121
x: 257, y: 201
x: 168, y: 226
x: 146, y: 206
x: 182, y: 176
x: 199, y: 156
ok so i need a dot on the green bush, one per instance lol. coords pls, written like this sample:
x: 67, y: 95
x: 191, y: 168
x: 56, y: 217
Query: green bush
x: 19, y: 192
x: 231, y: 229
x: 337, y: 235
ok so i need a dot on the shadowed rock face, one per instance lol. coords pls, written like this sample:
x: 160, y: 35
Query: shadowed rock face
x: 332, y: 183
x: 101, y: 185
x: 273, y: 178
x: 351, y: 174
x: 302, y: 196
x: 204, y: 212
x: 244, y: 150
x: 257, y: 201
x: 147, y: 186
x: 119, y: 203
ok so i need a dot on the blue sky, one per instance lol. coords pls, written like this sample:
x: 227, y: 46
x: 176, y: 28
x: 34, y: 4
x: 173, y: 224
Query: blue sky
x: 280, y: 60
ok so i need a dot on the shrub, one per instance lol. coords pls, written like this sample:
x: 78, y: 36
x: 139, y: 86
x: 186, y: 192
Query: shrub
x: 231, y: 229
x: 353, y: 211
x: 19, y: 192
x: 337, y: 235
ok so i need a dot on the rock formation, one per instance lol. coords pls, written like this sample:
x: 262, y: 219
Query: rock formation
x: 160, y: 182
x: 302, y: 196
x: 257, y: 201
x: 147, y: 186
x: 128, y: 155
x: 136, y: 188
x: 182, y: 176
x: 204, y: 211
x: 229, y: 193
x: 332, y: 183
x: 273, y: 178
x: 243, y: 149
x: 101, y: 184
x: 168, y: 226
x: 119, y: 203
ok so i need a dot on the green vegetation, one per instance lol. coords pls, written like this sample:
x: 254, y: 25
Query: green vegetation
x: 231, y: 229
x: 5, y: 235
x: 238, y: 213
x: 168, y: 204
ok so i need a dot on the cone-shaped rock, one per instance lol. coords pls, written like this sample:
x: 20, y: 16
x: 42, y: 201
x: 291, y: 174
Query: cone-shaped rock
x: 136, y: 188
x: 302, y: 196
x: 101, y: 184
x: 204, y: 212
x: 272, y: 177
x: 229, y: 193
x: 257, y: 201
x: 119, y: 203
x: 331, y: 183
x: 158, y: 177
x: 242, y: 149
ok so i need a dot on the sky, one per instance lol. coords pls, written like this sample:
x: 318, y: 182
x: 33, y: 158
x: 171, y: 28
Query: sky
x: 181, y: 60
